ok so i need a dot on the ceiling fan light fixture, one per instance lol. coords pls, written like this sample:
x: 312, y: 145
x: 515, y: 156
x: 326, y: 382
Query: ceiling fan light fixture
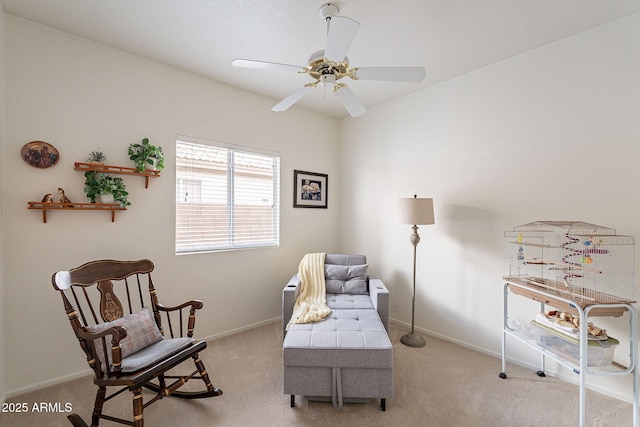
x: 328, y: 80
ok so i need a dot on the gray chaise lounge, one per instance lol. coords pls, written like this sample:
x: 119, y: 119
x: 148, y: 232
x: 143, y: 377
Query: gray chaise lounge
x: 348, y: 355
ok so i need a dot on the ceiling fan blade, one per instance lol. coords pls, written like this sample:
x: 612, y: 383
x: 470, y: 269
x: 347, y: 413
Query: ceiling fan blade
x: 342, y: 31
x: 263, y: 65
x: 292, y: 99
x: 392, y: 74
x: 350, y: 102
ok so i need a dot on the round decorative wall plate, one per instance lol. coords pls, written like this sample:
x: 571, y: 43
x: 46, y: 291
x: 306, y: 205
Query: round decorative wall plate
x: 40, y: 154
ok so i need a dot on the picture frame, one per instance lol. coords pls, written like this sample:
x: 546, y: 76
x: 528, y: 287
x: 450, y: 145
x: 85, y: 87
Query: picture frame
x: 310, y: 189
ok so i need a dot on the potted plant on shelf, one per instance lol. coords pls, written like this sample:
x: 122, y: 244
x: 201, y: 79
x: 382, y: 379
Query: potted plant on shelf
x: 105, y: 188
x: 146, y: 156
x: 97, y: 157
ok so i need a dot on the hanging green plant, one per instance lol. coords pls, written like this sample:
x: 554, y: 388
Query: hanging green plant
x: 99, y: 184
x: 146, y: 156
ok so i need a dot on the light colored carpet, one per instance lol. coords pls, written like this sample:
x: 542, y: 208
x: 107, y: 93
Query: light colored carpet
x: 441, y: 384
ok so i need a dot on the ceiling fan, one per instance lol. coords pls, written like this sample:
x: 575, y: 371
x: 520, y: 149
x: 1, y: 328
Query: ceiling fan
x: 328, y: 66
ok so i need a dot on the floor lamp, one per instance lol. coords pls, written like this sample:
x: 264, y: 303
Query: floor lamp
x: 415, y: 211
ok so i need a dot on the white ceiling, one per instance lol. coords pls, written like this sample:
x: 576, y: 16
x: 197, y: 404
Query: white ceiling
x: 447, y: 37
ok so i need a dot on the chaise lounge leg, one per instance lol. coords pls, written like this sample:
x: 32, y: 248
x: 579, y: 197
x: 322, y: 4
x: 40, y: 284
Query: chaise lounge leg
x: 293, y: 400
x: 383, y: 404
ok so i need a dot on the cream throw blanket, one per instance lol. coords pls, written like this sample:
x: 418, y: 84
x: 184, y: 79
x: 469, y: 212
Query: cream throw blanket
x: 311, y: 304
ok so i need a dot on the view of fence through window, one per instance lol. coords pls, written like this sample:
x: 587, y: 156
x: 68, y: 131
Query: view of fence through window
x: 226, y: 198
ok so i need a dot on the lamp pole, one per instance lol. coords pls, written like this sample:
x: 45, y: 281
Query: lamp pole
x: 412, y: 339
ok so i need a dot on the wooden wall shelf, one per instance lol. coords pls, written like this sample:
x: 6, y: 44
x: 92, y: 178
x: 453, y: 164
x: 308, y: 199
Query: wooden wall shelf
x: 121, y: 170
x: 46, y: 206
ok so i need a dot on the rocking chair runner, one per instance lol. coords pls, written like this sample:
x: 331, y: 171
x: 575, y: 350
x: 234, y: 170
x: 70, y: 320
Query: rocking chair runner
x: 126, y: 346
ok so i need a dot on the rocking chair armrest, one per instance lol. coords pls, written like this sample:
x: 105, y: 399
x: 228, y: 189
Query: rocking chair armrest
x: 117, y: 333
x: 195, y: 305
x: 95, y: 360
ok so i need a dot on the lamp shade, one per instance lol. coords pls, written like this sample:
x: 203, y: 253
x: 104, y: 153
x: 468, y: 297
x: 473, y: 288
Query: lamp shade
x: 416, y: 211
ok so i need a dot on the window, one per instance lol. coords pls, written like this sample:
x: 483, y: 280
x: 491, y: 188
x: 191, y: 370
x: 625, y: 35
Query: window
x: 226, y: 197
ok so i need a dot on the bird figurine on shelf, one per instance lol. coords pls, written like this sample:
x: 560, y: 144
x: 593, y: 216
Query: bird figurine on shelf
x: 48, y: 198
x: 64, y: 198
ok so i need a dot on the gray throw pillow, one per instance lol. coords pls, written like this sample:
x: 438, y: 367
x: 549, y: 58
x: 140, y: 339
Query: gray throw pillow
x: 142, y: 331
x: 346, y: 279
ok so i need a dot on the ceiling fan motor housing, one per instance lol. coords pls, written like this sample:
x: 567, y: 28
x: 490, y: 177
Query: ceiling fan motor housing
x: 319, y: 66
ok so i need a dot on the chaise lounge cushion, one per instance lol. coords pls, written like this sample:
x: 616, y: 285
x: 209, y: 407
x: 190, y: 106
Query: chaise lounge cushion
x: 346, y: 279
x: 347, y: 338
x: 348, y: 301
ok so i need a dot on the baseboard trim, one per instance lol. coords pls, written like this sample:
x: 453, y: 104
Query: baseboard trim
x: 449, y: 339
x: 48, y: 383
x: 242, y: 329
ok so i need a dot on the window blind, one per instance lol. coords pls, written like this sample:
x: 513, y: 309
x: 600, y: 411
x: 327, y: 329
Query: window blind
x: 226, y: 198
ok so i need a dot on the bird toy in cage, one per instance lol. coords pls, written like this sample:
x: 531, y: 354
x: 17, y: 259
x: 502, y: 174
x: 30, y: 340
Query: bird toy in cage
x: 584, y: 254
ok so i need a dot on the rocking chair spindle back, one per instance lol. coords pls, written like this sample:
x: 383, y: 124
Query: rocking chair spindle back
x: 114, y: 312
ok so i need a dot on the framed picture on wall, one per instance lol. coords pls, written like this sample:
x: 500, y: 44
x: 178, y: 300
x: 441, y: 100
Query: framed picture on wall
x: 309, y: 189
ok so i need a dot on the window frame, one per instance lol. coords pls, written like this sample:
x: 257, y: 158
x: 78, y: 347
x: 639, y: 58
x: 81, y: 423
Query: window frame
x: 233, y: 241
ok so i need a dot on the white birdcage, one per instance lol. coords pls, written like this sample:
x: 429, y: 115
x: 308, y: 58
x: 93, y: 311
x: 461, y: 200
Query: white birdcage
x: 585, y: 262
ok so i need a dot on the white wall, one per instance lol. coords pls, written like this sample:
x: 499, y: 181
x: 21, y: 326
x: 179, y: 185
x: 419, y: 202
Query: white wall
x: 553, y: 134
x: 79, y: 95
x: 3, y: 382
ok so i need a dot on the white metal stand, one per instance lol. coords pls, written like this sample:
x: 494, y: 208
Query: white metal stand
x: 582, y: 367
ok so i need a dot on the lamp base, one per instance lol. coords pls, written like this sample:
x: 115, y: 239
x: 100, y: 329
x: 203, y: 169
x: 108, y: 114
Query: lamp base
x: 413, y: 340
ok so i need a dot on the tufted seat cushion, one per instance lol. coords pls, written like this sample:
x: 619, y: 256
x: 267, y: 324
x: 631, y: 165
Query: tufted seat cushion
x: 348, y: 301
x: 347, y: 338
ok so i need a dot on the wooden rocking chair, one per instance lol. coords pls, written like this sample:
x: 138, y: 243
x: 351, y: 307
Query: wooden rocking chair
x: 126, y: 344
